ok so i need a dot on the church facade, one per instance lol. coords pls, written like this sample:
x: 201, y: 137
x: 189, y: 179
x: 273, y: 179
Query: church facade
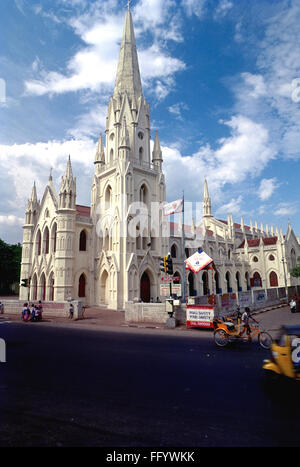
x: 109, y: 253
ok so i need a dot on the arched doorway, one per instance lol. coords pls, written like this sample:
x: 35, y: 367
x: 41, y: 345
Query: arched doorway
x: 104, y: 288
x: 81, y: 286
x: 228, y: 282
x: 145, y: 288
x: 191, y: 284
x: 205, y: 283
x: 238, y: 282
x: 43, y: 287
x: 217, y: 283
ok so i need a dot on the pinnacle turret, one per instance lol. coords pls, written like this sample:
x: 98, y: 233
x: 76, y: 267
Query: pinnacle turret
x: 67, y: 192
x: 157, y: 153
x: 206, y: 201
x: 100, y: 156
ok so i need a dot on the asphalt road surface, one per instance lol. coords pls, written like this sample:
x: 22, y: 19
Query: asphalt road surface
x: 81, y: 387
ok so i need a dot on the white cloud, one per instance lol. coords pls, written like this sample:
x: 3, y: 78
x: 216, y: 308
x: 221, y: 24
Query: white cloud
x: 268, y: 95
x: 25, y: 163
x: 93, y: 67
x: 232, y: 207
x: 245, y: 153
x: 194, y: 7
x: 11, y: 220
x: 267, y: 188
x: 177, y: 109
x: 286, y: 209
x: 222, y: 9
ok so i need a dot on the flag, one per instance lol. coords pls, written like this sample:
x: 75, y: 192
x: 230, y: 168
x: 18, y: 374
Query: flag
x: 173, y: 207
x: 198, y: 261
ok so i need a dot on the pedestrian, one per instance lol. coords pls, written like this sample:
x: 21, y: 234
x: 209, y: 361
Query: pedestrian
x: 246, y: 316
x: 71, y: 311
x: 293, y: 305
x: 32, y: 312
x: 25, y: 312
x: 1, y: 308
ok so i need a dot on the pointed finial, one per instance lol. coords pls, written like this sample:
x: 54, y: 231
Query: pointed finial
x: 50, y: 175
x: 128, y: 4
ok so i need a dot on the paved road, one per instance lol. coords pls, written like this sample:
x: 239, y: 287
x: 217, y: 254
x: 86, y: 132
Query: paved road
x: 76, y: 387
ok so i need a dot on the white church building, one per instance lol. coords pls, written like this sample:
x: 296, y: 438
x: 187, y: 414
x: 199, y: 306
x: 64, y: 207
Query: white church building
x: 109, y: 253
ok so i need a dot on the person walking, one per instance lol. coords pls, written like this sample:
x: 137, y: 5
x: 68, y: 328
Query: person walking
x: 1, y: 308
x: 71, y: 311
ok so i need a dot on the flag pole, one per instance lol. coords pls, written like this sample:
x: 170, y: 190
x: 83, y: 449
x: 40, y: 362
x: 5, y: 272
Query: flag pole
x: 183, y: 251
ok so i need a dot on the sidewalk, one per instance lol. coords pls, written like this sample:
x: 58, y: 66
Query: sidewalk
x: 105, y: 318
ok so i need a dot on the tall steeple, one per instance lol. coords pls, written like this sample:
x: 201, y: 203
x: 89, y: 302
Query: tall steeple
x: 128, y: 74
x: 206, y: 201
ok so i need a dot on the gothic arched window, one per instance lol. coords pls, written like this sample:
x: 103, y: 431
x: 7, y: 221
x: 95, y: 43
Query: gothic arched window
x: 82, y: 241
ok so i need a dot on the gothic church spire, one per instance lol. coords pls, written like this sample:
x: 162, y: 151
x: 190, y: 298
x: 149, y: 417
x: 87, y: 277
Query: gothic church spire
x: 128, y: 74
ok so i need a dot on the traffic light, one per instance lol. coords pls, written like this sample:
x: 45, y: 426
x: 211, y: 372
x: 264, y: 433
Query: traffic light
x: 163, y: 264
x: 24, y: 283
x: 169, y: 265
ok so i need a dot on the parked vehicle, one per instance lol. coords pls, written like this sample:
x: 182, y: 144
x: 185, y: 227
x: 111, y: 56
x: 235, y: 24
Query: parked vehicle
x: 285, y: 355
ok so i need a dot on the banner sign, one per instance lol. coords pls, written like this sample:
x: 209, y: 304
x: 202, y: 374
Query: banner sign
x: 173, y: 207
x: 245, y: 299
x: 200, y: 316
x: 259, y: 296
x: 198, y: 261
x: 165, y: 289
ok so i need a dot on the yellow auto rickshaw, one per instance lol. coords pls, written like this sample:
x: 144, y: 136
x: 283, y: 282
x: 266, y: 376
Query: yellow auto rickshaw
x: 285, y: 354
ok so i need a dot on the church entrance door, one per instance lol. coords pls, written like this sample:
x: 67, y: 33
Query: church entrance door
x: 145, y: 288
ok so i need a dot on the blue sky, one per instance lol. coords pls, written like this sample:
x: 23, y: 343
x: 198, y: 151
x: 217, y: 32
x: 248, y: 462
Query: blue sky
x: 222, y: 78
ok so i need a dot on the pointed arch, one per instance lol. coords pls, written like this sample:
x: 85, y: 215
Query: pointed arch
x: 43, y: 287
x: 46, y: 240
x: 38, y: 243
x: 82, y: 240
x: 33, y: 287
x: 53, y: 237
x: 228, y: 282
x: 51, y: 287
x: 82, y: 286
x: 205, y: 283
x: 273, y: 279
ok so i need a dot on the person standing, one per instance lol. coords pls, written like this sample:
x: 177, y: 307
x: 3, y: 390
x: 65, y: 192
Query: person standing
x: 1, y: 308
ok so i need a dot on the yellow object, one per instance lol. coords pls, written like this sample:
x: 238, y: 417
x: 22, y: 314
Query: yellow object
x: 285, y: 359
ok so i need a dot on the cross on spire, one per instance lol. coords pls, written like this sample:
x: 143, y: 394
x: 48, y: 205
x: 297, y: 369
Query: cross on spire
x: 128, y: 4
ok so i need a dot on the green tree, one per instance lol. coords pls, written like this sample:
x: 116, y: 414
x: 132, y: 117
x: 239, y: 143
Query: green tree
x: 10, y: 264
x: 295, y: 272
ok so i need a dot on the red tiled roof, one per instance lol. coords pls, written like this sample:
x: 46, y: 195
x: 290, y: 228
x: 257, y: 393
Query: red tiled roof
x: 83, y: 211
x: 270, y: 240
x: 253, y: 242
